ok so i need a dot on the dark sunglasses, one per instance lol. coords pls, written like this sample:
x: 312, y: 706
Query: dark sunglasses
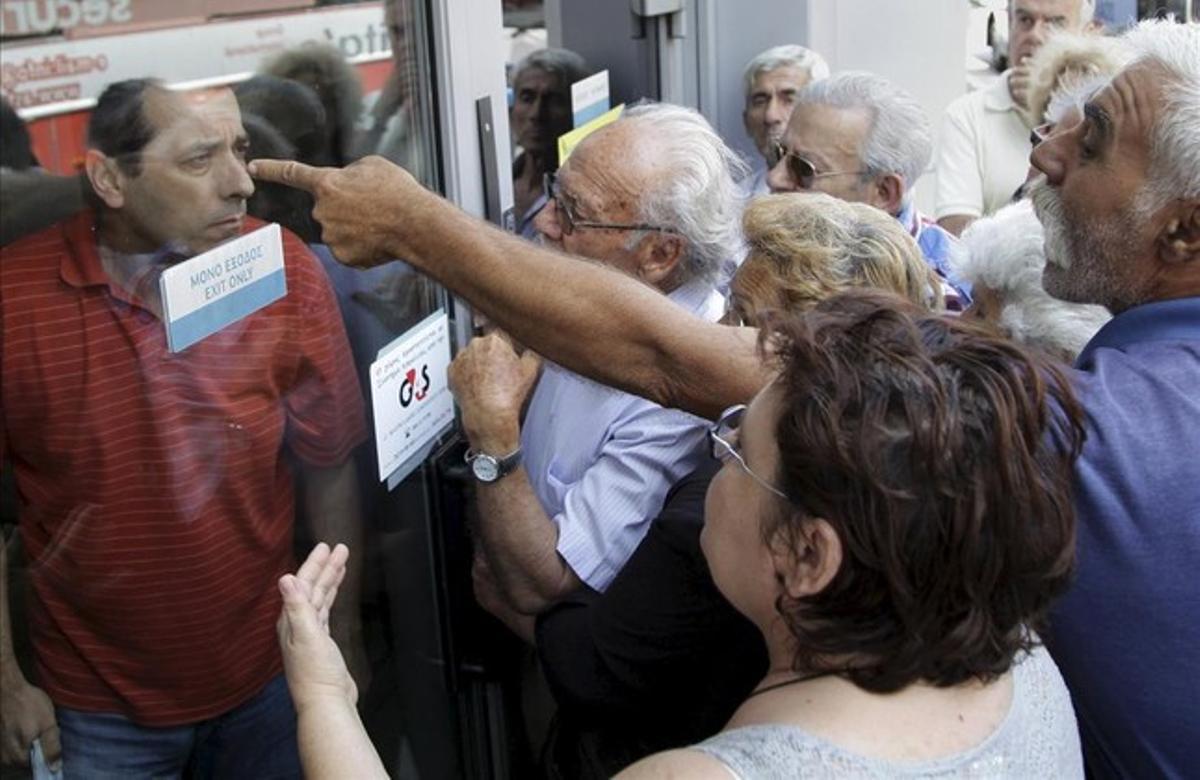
x: 802, y: 171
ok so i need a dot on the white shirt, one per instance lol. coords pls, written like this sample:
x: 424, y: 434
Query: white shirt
x: 983, y: 152
x: 601, y: 461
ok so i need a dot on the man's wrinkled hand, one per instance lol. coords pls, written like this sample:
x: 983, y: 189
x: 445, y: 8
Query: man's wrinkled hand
x: 312, y: 661
x: 491, y: 382
x: 361, y: 207
x: 26, y: 713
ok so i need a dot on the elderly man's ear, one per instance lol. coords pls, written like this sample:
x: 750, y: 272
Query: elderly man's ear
x: 887, y: 193
x: 106, y: 177
x: 1179, y: 243
x: 660, y: 257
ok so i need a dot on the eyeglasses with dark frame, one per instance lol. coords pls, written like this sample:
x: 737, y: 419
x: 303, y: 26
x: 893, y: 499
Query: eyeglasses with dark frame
x: 802, y: 170
x: 569, y: 221
x: 719, y: 435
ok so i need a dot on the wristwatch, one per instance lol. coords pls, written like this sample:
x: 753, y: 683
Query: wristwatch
x: 489, y: 468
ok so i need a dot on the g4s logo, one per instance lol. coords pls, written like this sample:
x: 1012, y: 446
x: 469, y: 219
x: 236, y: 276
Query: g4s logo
x: 408, y: 388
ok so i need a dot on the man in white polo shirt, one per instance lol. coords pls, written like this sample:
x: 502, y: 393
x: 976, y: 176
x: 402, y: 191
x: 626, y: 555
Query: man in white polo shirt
x: 983, y: 152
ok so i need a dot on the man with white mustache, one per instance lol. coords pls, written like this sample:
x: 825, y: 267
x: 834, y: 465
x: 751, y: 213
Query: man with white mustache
x: 1119, y: 197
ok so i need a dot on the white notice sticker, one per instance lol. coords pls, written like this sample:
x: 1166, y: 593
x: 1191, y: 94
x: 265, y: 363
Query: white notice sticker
x: 206, y: 293
x: 589, y: 98
x: 410, y: 394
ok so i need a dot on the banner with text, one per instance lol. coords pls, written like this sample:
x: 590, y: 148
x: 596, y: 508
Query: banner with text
x: 41, y: 74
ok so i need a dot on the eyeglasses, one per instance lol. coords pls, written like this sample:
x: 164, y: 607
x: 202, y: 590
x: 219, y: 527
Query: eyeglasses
x: 719, y: 435
x: 1040, y: 133
x: 802, y: 171
x: 569, y: 221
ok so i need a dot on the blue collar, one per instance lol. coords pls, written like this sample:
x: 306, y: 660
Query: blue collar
x: 1174, y: 320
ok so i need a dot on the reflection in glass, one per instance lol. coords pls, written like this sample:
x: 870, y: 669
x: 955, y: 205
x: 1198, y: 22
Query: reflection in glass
x: 159, y: 495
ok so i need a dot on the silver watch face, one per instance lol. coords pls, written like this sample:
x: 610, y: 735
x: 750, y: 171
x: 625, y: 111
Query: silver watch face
x: 486, y: 468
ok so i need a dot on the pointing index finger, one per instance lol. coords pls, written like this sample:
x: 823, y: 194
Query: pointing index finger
x: 289, y: 172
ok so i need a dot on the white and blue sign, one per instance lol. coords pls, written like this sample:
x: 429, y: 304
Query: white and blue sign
x: 213, y: 290
x: 589, y: 98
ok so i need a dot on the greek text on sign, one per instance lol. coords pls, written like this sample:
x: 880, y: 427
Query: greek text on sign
x: 215, y: 289
x: 410, y: 394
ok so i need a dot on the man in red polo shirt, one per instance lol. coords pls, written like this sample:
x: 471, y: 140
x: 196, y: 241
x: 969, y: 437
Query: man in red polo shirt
x: 156, y: 493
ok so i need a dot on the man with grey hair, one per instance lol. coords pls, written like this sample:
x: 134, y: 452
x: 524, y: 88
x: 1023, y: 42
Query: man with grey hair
x: 984, y: 144
x: 652, y: 195
x: 858, y: 137
x: 772, y: 79
x: 1003, y: 259
x: 1119, y: 198
x: 539, y: 114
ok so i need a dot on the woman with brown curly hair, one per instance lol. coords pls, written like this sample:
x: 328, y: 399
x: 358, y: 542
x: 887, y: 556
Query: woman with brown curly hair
x: 892, y: 518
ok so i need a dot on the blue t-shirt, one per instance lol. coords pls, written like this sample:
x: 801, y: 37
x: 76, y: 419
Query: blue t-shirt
x: 1127, y: 634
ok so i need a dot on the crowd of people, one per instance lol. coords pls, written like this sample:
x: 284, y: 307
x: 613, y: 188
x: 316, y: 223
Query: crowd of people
x: 773, y: 474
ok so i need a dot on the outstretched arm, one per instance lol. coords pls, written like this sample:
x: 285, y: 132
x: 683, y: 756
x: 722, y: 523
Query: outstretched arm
x: 590, y: 319
x: 333, y: 742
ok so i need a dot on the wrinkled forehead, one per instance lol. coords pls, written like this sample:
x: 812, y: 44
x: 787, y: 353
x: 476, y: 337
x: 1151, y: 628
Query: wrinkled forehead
x: 1047, y: 8
x: 822, y: 128
x: 1132, y: 101
x: 182, y: 118
x: 536, y: 76
x: 782, y: 77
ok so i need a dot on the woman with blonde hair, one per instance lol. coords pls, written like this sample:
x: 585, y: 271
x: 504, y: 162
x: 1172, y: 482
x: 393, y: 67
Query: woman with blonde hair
x: 804, y: 251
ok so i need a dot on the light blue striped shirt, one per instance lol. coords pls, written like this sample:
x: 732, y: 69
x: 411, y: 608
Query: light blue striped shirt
x: 601, y: 461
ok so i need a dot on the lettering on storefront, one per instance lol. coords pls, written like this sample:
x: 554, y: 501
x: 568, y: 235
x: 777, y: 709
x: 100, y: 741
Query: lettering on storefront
x: 43, y: 73
x: 34, y: 17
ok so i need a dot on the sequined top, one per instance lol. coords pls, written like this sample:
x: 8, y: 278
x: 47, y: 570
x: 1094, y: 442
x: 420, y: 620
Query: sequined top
x: 1038, y: 738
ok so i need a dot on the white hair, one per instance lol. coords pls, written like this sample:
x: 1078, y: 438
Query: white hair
x: 1073, y: 92
x: 789, y: 55
x: 1175, y: 157
x: 695, y: 193
x: 900, y: 137
x: 1065, y: 60
x: 1004, y: 253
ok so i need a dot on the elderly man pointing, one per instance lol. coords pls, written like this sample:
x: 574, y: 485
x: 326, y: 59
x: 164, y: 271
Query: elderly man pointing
x: 566, y: 494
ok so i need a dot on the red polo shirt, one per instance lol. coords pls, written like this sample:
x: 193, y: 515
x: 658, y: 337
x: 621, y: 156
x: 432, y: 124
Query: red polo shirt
x: 156, y: 504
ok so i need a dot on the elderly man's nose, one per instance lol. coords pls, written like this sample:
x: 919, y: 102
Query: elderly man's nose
x: 779, y: 179
x: 777, y: 111
x: 1048, y: 158
x: 547, y: 222
x: 1039, y: 32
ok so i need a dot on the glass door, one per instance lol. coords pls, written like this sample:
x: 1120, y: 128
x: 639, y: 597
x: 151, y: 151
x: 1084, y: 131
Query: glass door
x: 190, y: 397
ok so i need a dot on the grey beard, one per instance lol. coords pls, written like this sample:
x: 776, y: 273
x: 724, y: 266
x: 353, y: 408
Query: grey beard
x: 1084, y: 257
